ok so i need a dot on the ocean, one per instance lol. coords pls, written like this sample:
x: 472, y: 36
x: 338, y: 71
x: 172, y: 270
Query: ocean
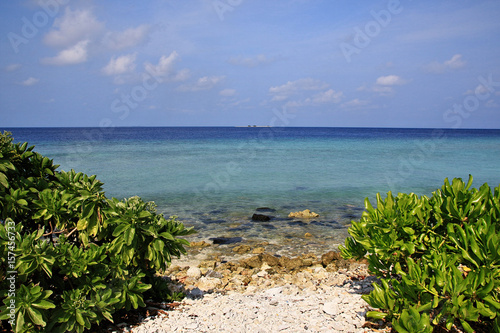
x: 216, y: 178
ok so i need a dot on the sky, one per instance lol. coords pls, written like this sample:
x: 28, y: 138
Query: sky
x: 333, y: 63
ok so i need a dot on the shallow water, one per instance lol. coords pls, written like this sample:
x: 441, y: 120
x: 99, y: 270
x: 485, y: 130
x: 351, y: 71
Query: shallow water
x: 215, y: 178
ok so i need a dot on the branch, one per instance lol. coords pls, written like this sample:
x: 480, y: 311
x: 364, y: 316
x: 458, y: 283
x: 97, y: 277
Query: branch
x: 72, y: 231
x: 53, y: 233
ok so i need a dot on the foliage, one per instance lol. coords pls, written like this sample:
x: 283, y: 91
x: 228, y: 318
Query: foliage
x: 79, y: 256
x: 438, y: 258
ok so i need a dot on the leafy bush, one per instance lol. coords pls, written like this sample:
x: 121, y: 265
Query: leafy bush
x: 72, y: 249
x: 438, y: 258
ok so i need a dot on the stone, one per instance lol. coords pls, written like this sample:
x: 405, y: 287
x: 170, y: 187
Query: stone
x: 226, y: 240
x: 307, y: 234
x: 331, y: 308
x: 291, y: 264
x: 265, y: 267
x: 265, y: 209
x: 213, y: 274
x: 242, y: 249
x: 252, y: 262
x: 194, y: 272
x: 261, y: 217
x: 305, y: 214
x: 258, y: 250
x: 269, y: 259
x: 208, y: 283
x: 257, y: 261
x: 328, y: 257
x: 210, y: 264
x: 262, y: 274
x: 199, y: 244
x: 194, y: 292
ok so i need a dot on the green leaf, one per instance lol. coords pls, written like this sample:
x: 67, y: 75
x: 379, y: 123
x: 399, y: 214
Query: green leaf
x: 35, y: 316
x: 409, y: 230
x: 466, y: 326
x: 43, y: 304
x: 3, y: 180
x: 129, y: 236
x: 122, y: 227
x: 82, y: 224
x: 167, y: 235
x: 376, y: 315
x: 79, y: 318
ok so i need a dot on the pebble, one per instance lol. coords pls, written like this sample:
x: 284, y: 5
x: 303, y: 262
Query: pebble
x: 265, y: 294
x: 335, y: 306
x: 194, y: 272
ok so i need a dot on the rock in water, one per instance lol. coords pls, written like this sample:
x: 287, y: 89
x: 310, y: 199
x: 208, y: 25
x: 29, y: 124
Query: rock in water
x: 265, y: 209
x: 305, y: 214
x: 226, y: 240
x: 261, y: 217
x: 242, y: 249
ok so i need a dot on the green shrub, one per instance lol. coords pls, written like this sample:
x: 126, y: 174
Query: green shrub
x: 74, y: 256
x: 438, y: 258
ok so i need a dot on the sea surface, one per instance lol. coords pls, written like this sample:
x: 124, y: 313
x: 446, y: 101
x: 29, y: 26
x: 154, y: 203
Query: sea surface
x: 216, y: 178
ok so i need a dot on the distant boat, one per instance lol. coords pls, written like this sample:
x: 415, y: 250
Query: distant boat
x: 253, y: 126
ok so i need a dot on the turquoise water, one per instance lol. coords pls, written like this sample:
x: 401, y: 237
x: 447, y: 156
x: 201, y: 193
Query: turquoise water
x: 215, y: 178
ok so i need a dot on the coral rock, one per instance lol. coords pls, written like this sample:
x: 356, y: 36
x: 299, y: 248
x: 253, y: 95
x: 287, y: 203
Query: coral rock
x: 305, y: 214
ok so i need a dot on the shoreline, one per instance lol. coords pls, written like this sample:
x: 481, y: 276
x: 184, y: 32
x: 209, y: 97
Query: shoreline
x: 265, y: 292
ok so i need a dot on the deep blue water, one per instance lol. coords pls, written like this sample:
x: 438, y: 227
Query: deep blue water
x: 215, y: 177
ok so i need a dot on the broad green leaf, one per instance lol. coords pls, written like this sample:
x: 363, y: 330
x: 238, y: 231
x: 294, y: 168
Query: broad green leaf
x: 35, y: 316
x: 120, y: 229
x: 82, y: 224
x: 43, y: 304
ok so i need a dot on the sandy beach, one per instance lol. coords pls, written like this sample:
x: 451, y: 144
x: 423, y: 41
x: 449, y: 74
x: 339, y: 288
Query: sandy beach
x: 236, y: 289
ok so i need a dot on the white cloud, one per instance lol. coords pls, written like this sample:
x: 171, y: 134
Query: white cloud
x: 355, y: 103
x: 329, y: 96
x: 291, y: 88
x: 491, y: 104
x: 324, y: 97
x: 456, y: 62
x: 165, y: 69
x: 232, y: 103
x: 12, y: 67
x: 120, y: 65
x: 251, y: 61
x: 227, y: 92
x: 390, y: 80
x: 301, y: 91
x: 203, y: 83
x: 384, y: 84
x: 127, y: 38
x: 480, y: 90
x: 71, y: 56
x: 72, y: 28
x: 30, y: 81
x: 383, y: 90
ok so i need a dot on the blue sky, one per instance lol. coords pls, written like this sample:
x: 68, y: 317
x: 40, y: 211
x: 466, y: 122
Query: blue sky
x: 395, y: 63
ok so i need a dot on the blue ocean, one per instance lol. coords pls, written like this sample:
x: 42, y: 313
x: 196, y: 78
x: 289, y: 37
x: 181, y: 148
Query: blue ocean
x: 216, y: 178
